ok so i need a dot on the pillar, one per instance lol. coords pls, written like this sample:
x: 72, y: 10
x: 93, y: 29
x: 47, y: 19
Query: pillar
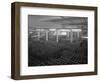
x: 67, y: 35
x: 38, y: 32
x: 47, y: 35
x: 71, y: 35
x: 57, y: 35
x: 78, y: 34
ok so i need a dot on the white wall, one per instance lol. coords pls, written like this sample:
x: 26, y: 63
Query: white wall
x: 5, y: 40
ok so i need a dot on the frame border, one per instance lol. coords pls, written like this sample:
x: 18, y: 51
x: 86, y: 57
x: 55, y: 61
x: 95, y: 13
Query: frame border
x: 15, y: 40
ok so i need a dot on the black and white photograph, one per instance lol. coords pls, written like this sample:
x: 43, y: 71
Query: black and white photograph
x: 53, y: 40
x: 57, y: 40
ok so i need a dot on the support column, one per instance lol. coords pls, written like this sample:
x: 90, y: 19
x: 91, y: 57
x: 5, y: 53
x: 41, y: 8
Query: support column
x: 47, y: 35
x: 71, y: 36
x: 78, y: 34
x: 38, y: 32
x: 57, y: 35
x: 67, y: 35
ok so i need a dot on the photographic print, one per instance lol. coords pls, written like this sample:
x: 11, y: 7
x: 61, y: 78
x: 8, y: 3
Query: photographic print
x: 51, y: 40
x: 57, y: 40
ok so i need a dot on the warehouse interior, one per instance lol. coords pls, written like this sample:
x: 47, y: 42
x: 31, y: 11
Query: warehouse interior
x: 57, y: 40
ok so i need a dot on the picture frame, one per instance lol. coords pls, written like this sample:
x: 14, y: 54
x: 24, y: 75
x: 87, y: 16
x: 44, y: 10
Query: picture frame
x: 25, y: 15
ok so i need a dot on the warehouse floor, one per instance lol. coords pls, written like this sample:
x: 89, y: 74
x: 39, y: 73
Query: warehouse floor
x: 44, y: 53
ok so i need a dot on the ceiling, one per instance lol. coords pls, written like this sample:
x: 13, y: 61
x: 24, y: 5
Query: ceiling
x: 44, y: 21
